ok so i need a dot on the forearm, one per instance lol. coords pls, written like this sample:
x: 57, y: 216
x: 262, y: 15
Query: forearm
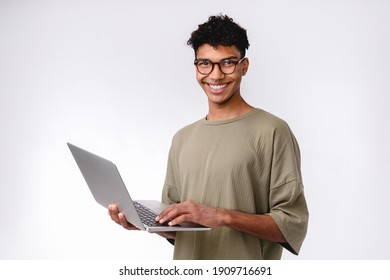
x: 260, y: 226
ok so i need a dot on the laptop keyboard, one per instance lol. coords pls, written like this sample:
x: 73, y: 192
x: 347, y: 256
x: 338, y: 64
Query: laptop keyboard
x: 147, y: 216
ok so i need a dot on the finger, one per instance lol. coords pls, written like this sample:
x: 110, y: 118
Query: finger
x: 180, y: 219
x: 113, y: 213
x: 113, y: 209
x: 173, y: 213
x: 123, y: 222
x: 165, y: 212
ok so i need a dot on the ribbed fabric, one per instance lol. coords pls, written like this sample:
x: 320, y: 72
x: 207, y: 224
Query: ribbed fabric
x: 249, y: 164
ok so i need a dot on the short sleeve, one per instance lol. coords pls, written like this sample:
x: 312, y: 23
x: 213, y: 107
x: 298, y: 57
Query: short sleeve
x: 170, y: 193
x: 288, y: 205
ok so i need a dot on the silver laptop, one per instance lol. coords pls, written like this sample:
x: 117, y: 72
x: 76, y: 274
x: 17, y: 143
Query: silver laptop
x: 107, y: 187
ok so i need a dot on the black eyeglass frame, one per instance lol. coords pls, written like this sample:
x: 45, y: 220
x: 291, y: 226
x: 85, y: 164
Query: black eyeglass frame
x: 196, y: 61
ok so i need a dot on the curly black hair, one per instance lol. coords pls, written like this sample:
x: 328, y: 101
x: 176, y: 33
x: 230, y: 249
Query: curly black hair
x: 219, y: 30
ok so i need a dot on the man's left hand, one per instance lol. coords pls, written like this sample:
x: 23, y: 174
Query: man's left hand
x: 190, y: 211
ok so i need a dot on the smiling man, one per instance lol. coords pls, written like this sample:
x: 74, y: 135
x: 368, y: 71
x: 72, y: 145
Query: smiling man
x: 222, y: 84
x: 237, y: 170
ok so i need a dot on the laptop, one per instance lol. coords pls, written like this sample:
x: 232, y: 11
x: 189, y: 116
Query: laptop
x: 107, y: 187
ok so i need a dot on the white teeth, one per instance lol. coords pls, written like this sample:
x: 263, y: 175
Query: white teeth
x: 217, y: 87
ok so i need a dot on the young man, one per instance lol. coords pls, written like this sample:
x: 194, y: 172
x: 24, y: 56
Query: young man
x: 237, y: 170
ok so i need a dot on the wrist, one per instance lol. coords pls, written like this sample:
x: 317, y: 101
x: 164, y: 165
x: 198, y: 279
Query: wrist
x: 224, y: 217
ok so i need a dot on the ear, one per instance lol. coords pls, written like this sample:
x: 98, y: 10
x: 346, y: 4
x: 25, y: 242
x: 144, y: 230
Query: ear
x: 245, y: 66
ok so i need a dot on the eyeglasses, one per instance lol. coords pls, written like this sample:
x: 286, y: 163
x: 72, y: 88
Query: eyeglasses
x: 226, y: 66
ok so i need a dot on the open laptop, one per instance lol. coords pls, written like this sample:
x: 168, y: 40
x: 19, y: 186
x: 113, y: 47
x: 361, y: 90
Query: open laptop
x: 107, y: 187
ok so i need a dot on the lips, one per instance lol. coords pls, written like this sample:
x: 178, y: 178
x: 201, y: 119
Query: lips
x: 217, y: 87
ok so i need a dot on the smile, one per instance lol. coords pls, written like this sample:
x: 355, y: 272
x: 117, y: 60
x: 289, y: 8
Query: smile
x: 217, y: 87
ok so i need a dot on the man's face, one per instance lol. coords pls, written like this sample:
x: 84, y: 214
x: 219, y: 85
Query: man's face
x: 220, y: 88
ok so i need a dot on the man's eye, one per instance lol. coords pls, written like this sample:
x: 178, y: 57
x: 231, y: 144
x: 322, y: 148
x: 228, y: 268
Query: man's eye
x: 228, y: 62
x: 204, y: 63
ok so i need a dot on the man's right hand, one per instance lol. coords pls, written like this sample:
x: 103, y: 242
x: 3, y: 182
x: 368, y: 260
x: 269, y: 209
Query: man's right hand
x: 119, y: 217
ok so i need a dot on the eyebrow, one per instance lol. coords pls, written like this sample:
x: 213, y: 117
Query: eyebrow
x: 230, y: 57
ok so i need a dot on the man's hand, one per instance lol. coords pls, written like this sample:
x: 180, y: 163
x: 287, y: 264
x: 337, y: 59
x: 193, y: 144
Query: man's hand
x: 119, y: 217
x: 190, y: 211
x: 261, y: 226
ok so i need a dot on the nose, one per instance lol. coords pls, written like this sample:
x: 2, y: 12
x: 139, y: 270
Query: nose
x: 216, y: 73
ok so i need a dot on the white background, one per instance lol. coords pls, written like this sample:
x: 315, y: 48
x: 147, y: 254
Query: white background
x: 116, y: 78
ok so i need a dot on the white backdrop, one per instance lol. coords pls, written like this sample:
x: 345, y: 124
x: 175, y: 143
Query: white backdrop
x: 116, y: 78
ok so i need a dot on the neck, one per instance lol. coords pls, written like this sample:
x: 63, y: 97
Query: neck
x: 220, y: 112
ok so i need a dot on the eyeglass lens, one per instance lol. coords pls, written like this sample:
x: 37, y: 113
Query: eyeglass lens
x: 226, y: 66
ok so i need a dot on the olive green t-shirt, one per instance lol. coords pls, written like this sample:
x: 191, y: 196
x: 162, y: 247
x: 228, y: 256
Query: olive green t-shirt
x: 250, y: 164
